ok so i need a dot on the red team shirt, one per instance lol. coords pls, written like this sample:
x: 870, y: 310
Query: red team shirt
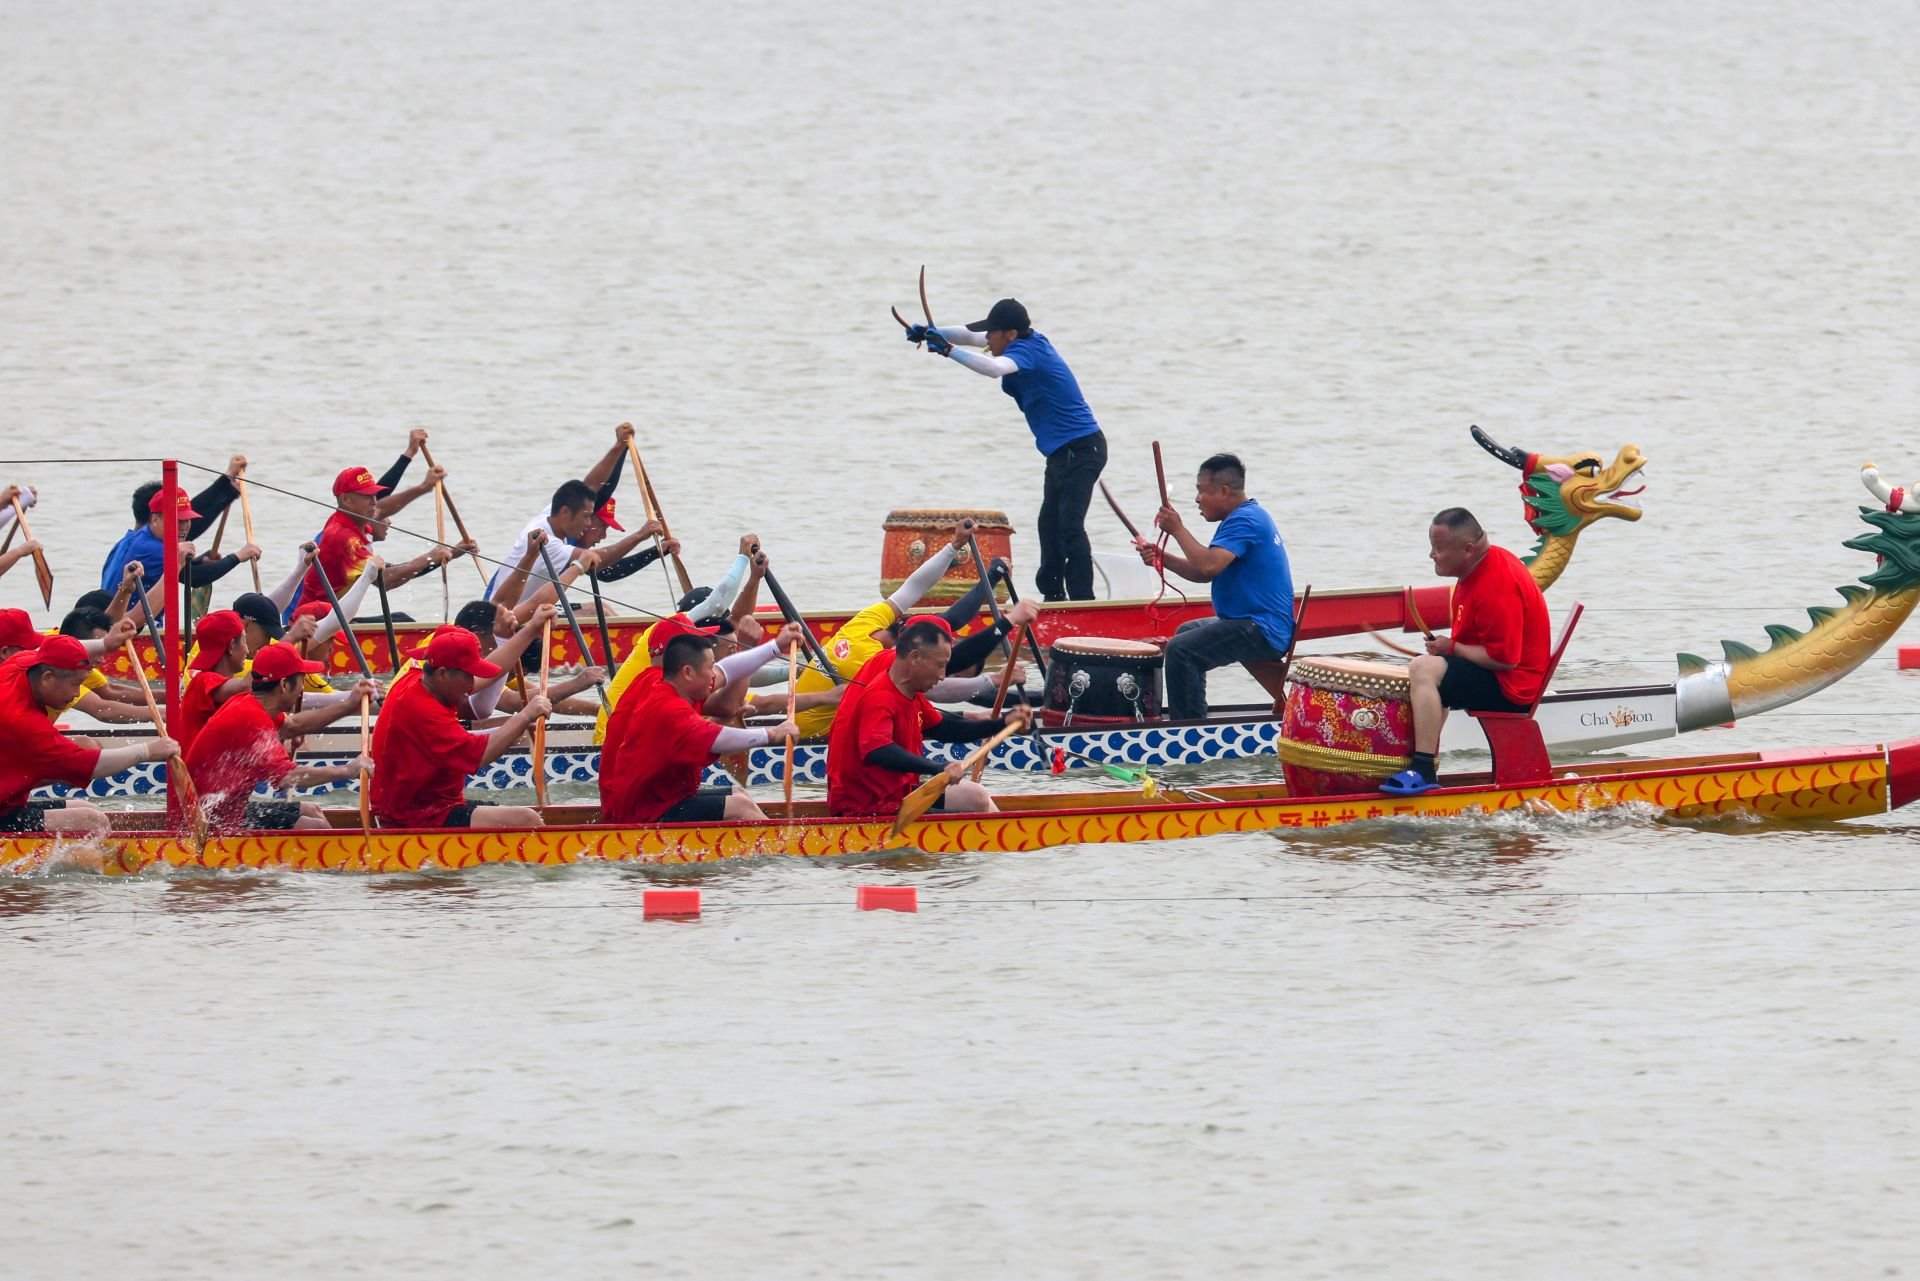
x: 873, y: 714
x: 1498, y: 605
x: 238, y: 749
x: 343, y: 554
x: 658, y: 745
x: 32, y: 751
x: 423, y: 756
x: 196, y: 709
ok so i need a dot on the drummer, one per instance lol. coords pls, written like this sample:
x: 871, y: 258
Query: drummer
x: 1246, y: 563
x: 1496, y: 658
x: 873, y: 754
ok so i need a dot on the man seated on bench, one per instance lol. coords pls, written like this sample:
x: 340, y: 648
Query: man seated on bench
x: 1252, y: 585
x: 1496, y: 658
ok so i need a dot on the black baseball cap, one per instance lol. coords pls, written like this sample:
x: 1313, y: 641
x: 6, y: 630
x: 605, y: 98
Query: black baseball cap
x: 1006, y: 314
x: 724, y: 623
x: 255, y: 608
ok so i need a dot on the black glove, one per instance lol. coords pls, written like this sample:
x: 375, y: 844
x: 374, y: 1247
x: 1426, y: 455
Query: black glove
x: 916, y: 333
x: 937, y: 343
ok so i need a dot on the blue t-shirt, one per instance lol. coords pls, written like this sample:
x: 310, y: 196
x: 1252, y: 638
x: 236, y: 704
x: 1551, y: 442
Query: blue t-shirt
x: 1259, y: 583
x: 136, y: 544
x: 1047, y: 394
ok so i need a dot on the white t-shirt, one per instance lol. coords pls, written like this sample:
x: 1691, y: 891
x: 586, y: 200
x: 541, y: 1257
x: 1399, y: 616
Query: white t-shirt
x: 557, y: 550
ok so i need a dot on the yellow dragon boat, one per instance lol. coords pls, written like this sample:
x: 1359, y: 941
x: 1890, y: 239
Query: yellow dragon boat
x: 1794, y: 785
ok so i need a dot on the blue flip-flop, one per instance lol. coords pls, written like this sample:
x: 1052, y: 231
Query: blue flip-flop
x: 1407, y: 782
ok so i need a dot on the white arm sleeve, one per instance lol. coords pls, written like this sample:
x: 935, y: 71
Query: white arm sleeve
x: 283, y: 594
x: 991, y: 366
x: 921, y: 581
x: 958, y: 689
x: 961, y: 336
x: 739, y: 666
x: 724, y: 593
x: 349, y: 605
x: 738, y: 740
x: 485, y: 699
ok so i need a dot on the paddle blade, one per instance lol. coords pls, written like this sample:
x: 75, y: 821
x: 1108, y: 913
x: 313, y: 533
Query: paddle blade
x: 919, y: 801
x: 45, y: 577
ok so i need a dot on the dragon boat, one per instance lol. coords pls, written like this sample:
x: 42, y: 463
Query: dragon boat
x: 1828, y: 783
x: 1566, y: 495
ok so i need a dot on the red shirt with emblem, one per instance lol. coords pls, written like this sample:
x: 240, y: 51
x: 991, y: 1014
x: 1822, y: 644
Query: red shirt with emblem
x: 1499, y: 606
x: 343, y: 554
x: 422, y: 757
x: 873, y: 714
x: 238, y: 749
x: 658, y: 745
x: 197, y: 707
x: 32, y: 751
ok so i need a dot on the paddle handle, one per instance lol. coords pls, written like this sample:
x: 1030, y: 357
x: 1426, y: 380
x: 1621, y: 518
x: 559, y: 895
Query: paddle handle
x: 246, y: 524
x: 41, y: 572
x: 177, y: 764
x: 653, y: 508
x: 440, y: 532
x: 792, y: 615
x: 1000, y: 697
x: 1115, y: 504
x: 540, y: 725
x: 461, y: 525
x: 921, y: 799
x: 346, y: 628
x: 573, y: 623
x: 366, y: 783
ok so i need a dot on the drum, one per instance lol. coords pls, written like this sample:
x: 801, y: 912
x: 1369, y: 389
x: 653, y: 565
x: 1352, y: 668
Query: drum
x: 1348, y: 725
x: 1100, y: 681
x: 913, y: 534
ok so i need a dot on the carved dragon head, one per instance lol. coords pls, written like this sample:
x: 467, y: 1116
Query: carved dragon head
x: 1896, y: 534
x: 1566, y: 494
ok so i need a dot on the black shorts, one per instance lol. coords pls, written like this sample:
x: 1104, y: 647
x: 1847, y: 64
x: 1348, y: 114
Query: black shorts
x: 272, y: 816
x: 708, y: 805
x: 31, y: 817
x: 461, y: 815
x: 1470, y: 687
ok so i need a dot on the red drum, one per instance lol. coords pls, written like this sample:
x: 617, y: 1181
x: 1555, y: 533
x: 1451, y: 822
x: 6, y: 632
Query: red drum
x: 1096, y: 680
x: 1348, y: 725
x: 913, y: 534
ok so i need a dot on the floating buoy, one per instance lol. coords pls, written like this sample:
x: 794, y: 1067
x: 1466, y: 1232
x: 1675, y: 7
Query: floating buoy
x: 1909, y: 656
x: 887, y: 898
x: 669, y: 903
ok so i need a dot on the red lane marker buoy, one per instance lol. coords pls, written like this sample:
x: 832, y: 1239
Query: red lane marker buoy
x: 1909, y: 656
x: 887, y: 898
x: 669, y: 903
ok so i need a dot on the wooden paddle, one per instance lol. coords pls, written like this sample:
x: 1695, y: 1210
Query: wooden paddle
x: 540, y: 725
x: 1000, y: 696
x: 366, y: 783
x: 573, y: 623
x: 40, y: 570
x: 653, y: 505
x: 923, y: 797
x: 346, y: 628
x: 191, y: 794
x: 246, y: 523
x: 793, y: 678
x: 202, y: 596
x: 440, y: 528
x: 473, y: 548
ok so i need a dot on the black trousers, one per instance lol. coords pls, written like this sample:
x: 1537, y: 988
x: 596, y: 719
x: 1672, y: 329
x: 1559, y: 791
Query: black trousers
x: 1066, y: 557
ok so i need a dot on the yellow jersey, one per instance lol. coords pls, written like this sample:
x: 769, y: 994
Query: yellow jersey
x: 849, y: 650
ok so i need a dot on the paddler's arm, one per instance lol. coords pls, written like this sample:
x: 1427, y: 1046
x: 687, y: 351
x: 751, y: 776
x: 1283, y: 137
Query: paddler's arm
x: 585, y: 677
x: 390, y: 504
x: 506, y: 655
x: 1196, y: 562
x: 604, y: 478
x: 514, y: 728
x: 892, y: 756
x: 433, y: 558
x: 112, y: 711
x: 316, y: 712
x: 1475, y: 654
x: 314, y: 775
x: 216, y: 498
x: 349, y: 599
x: 619, y: 550
x: 807, y: 700
x: 516, y: 580
x: 282, y: 593
x: 544, y: 594
x: 960, y: 729
x: 114, y: 760
x: 416, y: 441
x: 627, y: 566
x: 921, y: 580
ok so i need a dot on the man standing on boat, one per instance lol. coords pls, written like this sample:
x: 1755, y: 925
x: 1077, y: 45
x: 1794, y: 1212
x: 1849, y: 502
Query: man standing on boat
x: 1063, y: 427
x: 1496, y: 658
x: 32, y: 751
x: 1246, y: 564
x: 874, y: 751
x: 424, y: 754
x: 658, y: 744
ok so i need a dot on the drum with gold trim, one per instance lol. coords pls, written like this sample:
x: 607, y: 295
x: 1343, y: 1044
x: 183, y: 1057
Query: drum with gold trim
x: 1348, y: 725
x: 1102, y: 681
x: 913, y: 534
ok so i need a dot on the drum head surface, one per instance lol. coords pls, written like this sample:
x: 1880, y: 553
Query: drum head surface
x: 1105, y: 647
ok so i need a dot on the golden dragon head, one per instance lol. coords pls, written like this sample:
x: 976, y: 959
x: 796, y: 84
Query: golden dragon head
x: 1565, y: 494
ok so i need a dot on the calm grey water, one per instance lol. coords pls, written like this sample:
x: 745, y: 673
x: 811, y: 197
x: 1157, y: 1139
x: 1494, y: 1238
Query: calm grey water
x: 1328, y: 236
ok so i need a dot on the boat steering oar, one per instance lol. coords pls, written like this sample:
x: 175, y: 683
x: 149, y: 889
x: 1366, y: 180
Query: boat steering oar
x: 197, y: 818
x: 923, y: 798
x: 573, y: 623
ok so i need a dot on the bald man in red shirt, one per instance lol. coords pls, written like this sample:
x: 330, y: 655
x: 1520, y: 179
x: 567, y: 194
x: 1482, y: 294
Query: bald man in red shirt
x: 1496, y: 658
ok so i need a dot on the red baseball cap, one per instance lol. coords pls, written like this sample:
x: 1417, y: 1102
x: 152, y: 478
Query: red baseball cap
x: 355, y: 480
x: 181, y: 504
x: 675, y: 625
x: 17, y: 630
x: 318, y: 610
x: 63, y: 652
x: 458, y: 648
x: 605, y: 516
x: 932, y: 620
x: 216, y: 634
x: 280, y: 660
